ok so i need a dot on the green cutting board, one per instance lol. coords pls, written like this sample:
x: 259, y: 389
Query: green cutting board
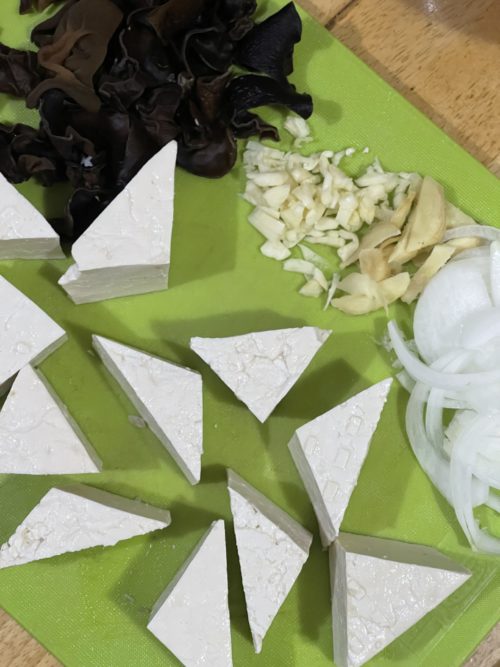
x: 90, y: 609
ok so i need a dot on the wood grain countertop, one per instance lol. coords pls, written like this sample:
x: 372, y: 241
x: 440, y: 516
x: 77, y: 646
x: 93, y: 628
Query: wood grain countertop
x: 443, y: 56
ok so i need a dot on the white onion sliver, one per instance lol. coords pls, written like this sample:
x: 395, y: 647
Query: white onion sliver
x: 434, y: 416
x: 463, y: 458
x: 433, y: 378
x: 436, y: 403
x: 495, y: 272
x: 433, y: 463
x: 471, y: 253
x: 405, y: 381
x: 477, y: 231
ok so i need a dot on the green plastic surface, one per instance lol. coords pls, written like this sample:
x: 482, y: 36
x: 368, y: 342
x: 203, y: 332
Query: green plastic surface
x: 90, y: 609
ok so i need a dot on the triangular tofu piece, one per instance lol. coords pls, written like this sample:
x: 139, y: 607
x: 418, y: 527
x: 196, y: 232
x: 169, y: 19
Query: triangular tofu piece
x: 191, y: 618
x: 167, y: 396
x: 77, y: 517
x: 27, y: 334
x: 37, y: 435
x: 380, y: 589
x: 261, y: 367
x: 126, y: 250
x: 24, y: 232
x: 272, y: 548
x: 329, y: 453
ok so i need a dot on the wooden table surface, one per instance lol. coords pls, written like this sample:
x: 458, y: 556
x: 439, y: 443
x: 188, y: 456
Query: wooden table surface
x: 444, y: 56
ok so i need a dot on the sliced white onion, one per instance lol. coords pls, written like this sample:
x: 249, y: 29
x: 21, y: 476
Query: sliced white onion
x: 405, y: 381
x: 434, y: 378
x: 434, y: 463
x: 434, y: 416
x: 482, y: 251
x: 458, y: 328
x: 495, y: 272
x: 463, y: 458
x: 458, y: 290
x: 477, y: 231
x: 479, y: 328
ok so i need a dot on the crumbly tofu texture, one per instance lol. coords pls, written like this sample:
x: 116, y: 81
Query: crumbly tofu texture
x: 127, y: 248
x: 37, y: 434
x: 167, y: 396
x: 329, y: 452
x: 261, y: 367
x: 77, y: 517
x: 272, y: 548
x: 191, y: 618
x: 27, y: 333
x: 24, y: 232
x: 381, y: 588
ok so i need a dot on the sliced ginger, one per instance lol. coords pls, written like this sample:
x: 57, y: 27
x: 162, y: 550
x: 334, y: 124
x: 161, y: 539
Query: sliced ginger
x: 426, y: 224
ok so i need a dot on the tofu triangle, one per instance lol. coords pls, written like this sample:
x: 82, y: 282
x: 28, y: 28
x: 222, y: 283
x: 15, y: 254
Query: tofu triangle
x: 24, y: 232
x: 37, y: 435
x: 261, y: 367
x: 77, y: 517
x: 380, y: 589
x: 329, y: 452
x: 167, y: 396
x: 272, y: 548
x: 191, y: 618
x: 126, y: 250
x: 27, y: 333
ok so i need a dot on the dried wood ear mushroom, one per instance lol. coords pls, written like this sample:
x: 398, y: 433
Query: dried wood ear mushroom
x: 116, y: 80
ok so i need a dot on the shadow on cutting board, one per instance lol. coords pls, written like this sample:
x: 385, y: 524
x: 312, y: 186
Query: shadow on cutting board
x: 206, y: 224
x: 313, y: 591
x: 19, y: 494
x: 168, y: 550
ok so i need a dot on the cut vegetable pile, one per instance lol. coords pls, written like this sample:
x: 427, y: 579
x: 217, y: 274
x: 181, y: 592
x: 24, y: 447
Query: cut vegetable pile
x: 127, y: 90
x: 397, y: 228
x: 457, y: 336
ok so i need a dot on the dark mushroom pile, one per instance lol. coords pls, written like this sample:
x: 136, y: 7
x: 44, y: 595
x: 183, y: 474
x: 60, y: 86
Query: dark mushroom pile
x: 115, y: 80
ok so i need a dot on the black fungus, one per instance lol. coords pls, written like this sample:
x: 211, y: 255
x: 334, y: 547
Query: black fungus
x: 268, y: 47
x: 115, y: 80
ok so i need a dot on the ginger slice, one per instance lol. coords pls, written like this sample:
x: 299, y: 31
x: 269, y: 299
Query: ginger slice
x: 426, y: 225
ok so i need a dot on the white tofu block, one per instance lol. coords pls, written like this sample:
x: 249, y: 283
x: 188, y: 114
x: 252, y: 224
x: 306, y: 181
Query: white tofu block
x: 272, y: 548
x: 380, y: 589
x: 37, y: 434
x: 261, y: 367
x: 191, y: 618
x: 126, y: 250
x: 101, y: 284
x: 329, y: 452
x: 167, y: 396
x: 27, y: 333
x: 77, y: 517
x: 24, y: 232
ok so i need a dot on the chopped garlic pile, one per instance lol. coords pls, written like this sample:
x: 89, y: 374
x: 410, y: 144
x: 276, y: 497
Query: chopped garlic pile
x: 299, y: 129
x: 381, y: 220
